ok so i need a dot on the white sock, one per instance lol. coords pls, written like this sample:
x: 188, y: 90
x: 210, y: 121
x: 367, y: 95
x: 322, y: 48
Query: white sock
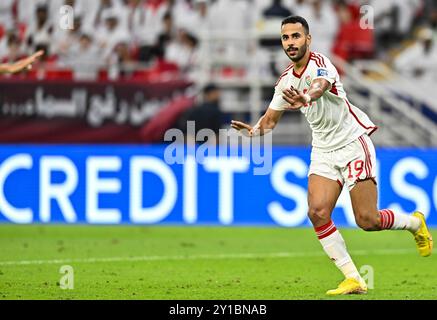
x: 398, y: 221
x: 335, y: 247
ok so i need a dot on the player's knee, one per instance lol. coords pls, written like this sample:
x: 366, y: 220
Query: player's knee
x: 367, y: 221
x: 318, y: 214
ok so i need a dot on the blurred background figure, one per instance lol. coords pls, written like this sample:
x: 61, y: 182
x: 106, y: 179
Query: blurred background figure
x: 419, y: 61
x: 182, y: 50
x: 321, y: 15
x: 7, y: 14
x: 276, y: 10
x: 231, y: 22
x: 121, y: 63
x: 105, y: 8
x: 351, y: 40
x: 206, y: 114
x: 393, y: 20
x: 11, y: 48
x: 65, y: 39
x: 84, y: 58
x: 147, y: 25
x: 40, y: 31
x: 111, y: 32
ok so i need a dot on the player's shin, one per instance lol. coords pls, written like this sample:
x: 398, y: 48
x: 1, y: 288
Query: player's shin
x: 335, y: 247
x: 391, y: 220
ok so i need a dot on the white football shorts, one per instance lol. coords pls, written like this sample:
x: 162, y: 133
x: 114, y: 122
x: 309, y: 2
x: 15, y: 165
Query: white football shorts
x: 348, y: 165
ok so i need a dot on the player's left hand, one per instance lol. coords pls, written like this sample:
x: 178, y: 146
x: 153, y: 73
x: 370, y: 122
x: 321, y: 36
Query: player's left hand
x: 294, y: 97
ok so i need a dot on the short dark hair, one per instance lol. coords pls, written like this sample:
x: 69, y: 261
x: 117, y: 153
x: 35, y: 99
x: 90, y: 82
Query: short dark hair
x: 210, y: 87
x: 297, y: 19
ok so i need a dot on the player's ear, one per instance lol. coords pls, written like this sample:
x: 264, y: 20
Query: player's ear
x: 309, y: 39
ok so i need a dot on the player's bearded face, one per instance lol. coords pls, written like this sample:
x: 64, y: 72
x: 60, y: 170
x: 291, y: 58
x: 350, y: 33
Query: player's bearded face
x: 296, y: 53
x: 295, y: 40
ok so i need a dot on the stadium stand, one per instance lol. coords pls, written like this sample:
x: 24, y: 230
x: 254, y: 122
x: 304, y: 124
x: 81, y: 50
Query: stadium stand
x: 234, y: 45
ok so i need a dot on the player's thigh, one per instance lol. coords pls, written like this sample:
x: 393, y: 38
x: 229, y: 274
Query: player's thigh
x: 322, y: 197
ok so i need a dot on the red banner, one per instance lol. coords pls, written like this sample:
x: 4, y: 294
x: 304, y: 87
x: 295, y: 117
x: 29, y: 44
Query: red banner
x: 91, y: 112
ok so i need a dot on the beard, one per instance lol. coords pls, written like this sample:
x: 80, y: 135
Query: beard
x: 299, y: 55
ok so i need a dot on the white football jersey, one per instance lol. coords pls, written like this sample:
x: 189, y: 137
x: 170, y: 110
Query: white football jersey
x: 334, y: 121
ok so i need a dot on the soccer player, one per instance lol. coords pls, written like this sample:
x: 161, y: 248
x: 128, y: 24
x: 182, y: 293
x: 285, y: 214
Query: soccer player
x: 22, y: 64
x: 342, y: 152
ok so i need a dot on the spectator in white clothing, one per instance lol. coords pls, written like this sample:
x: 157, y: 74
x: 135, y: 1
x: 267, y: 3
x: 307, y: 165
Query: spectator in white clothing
x: 65, y: 39
x: 111, y: 33
x: 6, y: 17
x: 40, y: 32
x: 420, y: 60
x: 114, y: 7
x: 232, y: 38
x: 11, y: 48
x: 84, y: 59
x: 324, y: 25
x: 183, y: 51
x: 196, y: 21
x: 148, y: 28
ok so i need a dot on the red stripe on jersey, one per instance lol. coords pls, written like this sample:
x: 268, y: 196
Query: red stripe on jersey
x: 356, y: 118
x: 303, y: 71
x: 334, y: 89
x: 284, y: 73
x: 322, y: 60
x: 318, y: 60
x: 288, y: 68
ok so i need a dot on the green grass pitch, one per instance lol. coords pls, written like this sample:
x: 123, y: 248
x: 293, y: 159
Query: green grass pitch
x: 170, y: 262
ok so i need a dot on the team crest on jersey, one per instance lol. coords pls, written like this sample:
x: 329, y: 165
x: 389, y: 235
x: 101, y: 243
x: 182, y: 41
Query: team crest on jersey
x: 308, y: 80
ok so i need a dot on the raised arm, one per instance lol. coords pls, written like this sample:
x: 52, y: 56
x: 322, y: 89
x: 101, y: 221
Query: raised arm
x: 264, y: 125
x: 298, y: 99
x: 21, y: 64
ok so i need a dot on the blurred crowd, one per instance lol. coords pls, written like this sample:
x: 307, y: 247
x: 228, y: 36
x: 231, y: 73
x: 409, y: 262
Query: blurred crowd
x: 145, y: 38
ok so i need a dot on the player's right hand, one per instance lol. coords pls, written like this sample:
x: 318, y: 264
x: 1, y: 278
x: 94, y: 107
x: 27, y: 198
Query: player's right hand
x: 238, y: 125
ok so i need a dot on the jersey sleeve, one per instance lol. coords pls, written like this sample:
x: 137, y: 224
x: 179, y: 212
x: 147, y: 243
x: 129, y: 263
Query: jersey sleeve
x: 324, y: 69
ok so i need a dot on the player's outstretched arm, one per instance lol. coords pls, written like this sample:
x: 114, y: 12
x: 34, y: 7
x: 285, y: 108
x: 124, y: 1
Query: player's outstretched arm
x: 297, y: 99
x: 264, y: 125
x: 21, y: 64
